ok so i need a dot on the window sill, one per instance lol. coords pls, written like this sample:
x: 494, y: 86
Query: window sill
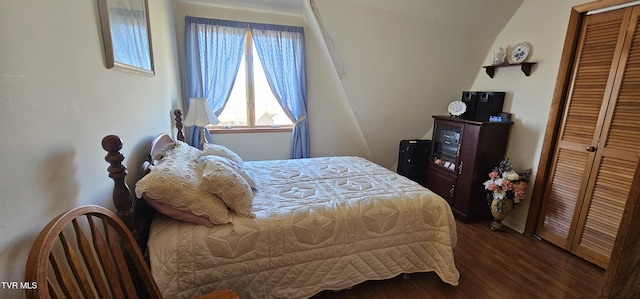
x: 242, y: 130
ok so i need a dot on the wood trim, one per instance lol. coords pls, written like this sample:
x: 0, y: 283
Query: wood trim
x: 178, y: 119
x: 554, y: 120
x: 622, y: 277
x: 242, y: 130
x: 558, y: 103
x: 600, y: 4
x: 250, y: 88
x: 123, y: 199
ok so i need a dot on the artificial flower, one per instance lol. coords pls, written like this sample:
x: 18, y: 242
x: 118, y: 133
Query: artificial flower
x: 506, y: 183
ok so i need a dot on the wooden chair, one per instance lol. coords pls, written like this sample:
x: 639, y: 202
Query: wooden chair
x: 88, y: 252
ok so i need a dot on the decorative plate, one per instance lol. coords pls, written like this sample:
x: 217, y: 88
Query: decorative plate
x: 456, y: 108
x: 520, y: 52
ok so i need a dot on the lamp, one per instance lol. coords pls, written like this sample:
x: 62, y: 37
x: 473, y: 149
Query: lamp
x: 200, y: 115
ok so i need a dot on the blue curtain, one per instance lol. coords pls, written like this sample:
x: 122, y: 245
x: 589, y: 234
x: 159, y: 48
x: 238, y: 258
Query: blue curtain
x: 212, y: 51
x: 281, y: 50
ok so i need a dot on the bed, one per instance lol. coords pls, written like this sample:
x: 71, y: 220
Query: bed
x: 316, y: 224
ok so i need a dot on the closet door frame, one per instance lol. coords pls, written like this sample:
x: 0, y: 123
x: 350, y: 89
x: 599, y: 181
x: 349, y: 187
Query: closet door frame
x: 573, y: 142
x: 622, y: 276
x: 559, y: 101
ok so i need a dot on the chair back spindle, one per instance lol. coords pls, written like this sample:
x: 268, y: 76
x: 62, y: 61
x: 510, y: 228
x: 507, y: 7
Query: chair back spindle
x: 88, y: 252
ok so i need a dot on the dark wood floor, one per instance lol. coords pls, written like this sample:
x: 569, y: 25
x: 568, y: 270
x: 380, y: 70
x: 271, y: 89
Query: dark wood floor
x: 493, y: 265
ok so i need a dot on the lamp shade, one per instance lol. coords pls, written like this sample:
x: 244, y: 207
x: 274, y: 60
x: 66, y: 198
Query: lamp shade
x: 200, y: 113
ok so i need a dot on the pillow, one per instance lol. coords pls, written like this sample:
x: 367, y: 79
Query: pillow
x: 174, y: 213
x: 182, y: 151
x: 235, y: 166
x: 175, y: 182
x: 222, y: 151
x: 223, y: 181
x: 159, y: 152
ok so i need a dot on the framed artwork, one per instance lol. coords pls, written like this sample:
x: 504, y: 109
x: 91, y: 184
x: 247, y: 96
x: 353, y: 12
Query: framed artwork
x: 126, y: 33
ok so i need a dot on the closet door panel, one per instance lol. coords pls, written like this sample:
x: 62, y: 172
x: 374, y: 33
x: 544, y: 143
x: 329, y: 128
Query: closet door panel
x: 601, y: 41
x: 561, y: 198
x: 599, y: 221
x: 591, y: 82
x: 622, y: 133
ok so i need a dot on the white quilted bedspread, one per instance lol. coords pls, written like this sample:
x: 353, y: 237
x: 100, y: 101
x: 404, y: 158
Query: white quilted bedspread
x: 322, y: 224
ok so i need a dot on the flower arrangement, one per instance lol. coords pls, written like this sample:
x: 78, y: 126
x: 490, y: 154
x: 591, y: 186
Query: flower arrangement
x: 506, y: 183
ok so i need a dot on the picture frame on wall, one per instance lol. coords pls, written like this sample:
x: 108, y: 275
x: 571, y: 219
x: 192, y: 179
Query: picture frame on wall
x: 126, y: 34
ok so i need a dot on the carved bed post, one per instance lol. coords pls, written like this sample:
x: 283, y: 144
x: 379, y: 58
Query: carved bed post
x: 178, y: 119
x: 122, y: 197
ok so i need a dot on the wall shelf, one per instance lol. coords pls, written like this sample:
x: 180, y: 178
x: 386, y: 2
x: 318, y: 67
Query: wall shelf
x: 525, y: 66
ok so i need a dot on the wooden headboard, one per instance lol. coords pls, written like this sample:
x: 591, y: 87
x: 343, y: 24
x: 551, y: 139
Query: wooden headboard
x: 133, y: 211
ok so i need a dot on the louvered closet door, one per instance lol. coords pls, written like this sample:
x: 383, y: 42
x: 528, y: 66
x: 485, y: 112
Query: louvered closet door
x: 616, y: 157
x: 601, y: 40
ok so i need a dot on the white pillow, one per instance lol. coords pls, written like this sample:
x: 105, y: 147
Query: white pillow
x: 222, y: 151
x: 222, y: 180
x: 175, y: 181
x: 183, y: 151
x: 235, y: 166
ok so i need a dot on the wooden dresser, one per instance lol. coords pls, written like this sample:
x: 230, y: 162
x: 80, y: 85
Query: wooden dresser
x: 462, y: 155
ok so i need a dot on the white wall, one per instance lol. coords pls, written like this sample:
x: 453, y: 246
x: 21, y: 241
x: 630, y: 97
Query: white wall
x: 543, y: 23
x: 57, y: 101
x: 256, y: 146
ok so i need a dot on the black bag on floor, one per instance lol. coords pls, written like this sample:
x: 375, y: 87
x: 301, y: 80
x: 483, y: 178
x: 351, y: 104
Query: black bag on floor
x: 413, y: 159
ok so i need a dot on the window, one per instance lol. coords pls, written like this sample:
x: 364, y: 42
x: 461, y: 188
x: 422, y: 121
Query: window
x: 251, y: 103
x: 213, y: 53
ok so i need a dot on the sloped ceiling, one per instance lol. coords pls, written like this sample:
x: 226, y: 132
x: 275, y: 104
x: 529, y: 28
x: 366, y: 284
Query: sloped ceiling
x: 444, y: 12
x: 445, y: 9
x: 281, y: 6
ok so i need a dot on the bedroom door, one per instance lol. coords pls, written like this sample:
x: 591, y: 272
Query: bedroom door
x: 598, y: 147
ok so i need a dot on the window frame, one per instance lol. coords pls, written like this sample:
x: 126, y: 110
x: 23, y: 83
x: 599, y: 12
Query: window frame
x: 251, y: 126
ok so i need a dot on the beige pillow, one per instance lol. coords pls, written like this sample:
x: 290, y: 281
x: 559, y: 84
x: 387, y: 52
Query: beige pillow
x: 183, y: 151
x: 222, y: 151
x: 237, y: 167
x: 174, y: 213
x: 223, y: 181
x: 175, y: 180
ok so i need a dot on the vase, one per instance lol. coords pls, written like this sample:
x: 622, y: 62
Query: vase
x: 500, y: 209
